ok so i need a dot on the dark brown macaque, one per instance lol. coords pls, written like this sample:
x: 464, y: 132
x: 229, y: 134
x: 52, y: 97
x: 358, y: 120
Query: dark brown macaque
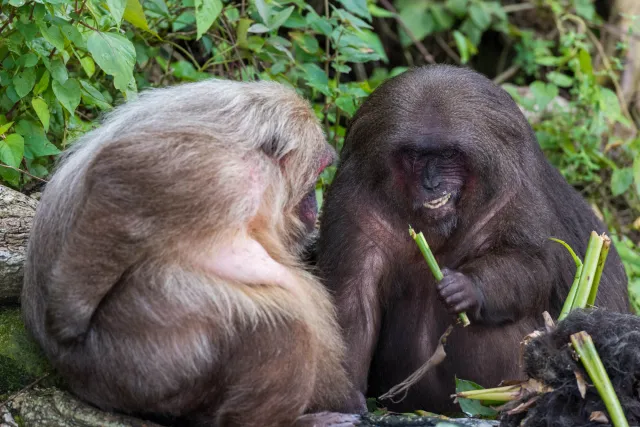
x: 163, y: 273
x: 446, y: 151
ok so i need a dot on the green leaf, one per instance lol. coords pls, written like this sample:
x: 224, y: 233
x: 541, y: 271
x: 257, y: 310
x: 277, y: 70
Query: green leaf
x: 58, y: 70
x: 316, y: 78
x: 68, y: 94
x: 471, y: 407
x: 264, y: 10
x: 379, y: 12
x: 279, y: 18
x: 24, y: 82
x: 479, y: 16
x: 53, y: 35
x: 305, y: 41
x: 92, y: 96
x: 206, y: 13
x: 88, y: 65
x: 36, y: 143
x: 346, y: 104
x: 319, y: 24
x: 43, y: 83
x: 585, y: 8
x: 609, y: 103
x: 42, y: 111
x: 458, y: 7
x: 28, y: 60
x: 241, y: 32
x: 5, y: 127
x: 636, y: 173
x: 586, y: 65
x: 621, y: 180
x: 543, y: 93
x: 185, y: 70
x: 418, y: 20
x: 462, y: 45
x: 359, y: 7
x: 134, y: 14
x: 560, y: 79
x: 116, y: 8
x: 116, y: 56
x: 72, y: 34
x: 258, y: 29
x: 12, y: 150
x: 441, y: 17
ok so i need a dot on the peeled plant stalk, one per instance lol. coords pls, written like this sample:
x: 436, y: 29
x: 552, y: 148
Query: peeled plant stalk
x: 433, y: 265
x: 583, y: 344
x: 568, y: 303
x: 586, y: 281
x: 589, y: 268
x: 601, y: 260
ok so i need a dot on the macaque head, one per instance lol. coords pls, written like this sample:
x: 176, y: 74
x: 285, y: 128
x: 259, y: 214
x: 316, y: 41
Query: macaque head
x: 436, y: 144
x: 294, y: 140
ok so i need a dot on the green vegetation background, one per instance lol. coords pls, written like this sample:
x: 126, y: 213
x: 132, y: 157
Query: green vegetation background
x: 64, y: 63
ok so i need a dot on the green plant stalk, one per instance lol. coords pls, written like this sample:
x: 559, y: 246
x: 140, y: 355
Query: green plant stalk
x: 498, y: 394
x: 596, y: 279
x: 583, y: 344
x: 588, y: 271
x: 568, y: 303
x: 433, y: 265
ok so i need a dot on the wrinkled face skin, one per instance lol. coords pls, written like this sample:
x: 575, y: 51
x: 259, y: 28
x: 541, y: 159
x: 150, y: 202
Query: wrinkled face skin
x: 308, y: 207
x: 431, y: 178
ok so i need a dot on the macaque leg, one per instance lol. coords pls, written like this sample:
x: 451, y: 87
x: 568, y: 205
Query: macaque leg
x: 270, y: 377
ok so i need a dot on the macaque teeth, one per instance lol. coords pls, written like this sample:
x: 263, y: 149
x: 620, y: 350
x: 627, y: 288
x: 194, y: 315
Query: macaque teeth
x: 435, y: 204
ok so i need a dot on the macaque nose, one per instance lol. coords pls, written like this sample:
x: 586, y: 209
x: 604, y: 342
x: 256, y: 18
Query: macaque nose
x: 431, y: 179
x: 432, y: 184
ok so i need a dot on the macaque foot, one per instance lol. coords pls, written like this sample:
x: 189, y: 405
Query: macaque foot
x: 328, y: 419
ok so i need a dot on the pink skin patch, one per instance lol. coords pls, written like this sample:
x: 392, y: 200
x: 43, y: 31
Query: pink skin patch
x: 244, y: 260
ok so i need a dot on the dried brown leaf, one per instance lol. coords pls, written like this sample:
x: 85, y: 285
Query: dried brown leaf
x: 582, y: 383
x: 599, y: 417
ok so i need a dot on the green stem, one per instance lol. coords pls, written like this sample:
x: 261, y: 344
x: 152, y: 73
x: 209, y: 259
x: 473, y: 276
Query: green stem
x: 588, y: 270
x: 596, y: 279
x: 583, y: 344
x: 433, y: 265
x: 568, y: 303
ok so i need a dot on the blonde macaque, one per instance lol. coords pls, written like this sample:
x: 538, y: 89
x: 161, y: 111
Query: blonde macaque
x: 163, y: 274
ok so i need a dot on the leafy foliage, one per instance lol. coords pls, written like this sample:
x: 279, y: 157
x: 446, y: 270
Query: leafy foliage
x: 66, y: 62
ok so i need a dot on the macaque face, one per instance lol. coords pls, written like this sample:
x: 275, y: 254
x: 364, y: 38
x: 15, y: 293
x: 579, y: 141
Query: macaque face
x: 308, y: 207
x: 431, y: 178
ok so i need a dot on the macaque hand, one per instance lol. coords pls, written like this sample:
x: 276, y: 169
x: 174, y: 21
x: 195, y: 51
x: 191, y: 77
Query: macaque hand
x: 458, y: 292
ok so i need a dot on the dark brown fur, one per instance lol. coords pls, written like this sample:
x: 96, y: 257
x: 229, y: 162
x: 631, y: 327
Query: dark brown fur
x: 163, y: 273
x: 494, y: 246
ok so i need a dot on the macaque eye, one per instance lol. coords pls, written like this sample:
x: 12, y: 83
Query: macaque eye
x: 448, y: 154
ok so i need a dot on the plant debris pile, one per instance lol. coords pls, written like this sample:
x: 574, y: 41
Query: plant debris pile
x: 549, y: 358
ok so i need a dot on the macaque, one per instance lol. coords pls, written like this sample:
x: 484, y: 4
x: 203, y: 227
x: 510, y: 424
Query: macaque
x: 163, y: 274
x: 445, y: 150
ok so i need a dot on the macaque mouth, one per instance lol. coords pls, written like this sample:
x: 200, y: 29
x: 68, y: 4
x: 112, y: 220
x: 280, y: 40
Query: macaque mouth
x: 437, y: 203
x: 309, y: 209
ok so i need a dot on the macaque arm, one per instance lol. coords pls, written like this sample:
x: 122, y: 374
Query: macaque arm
x: 353, y: 272
x: 511, y: 285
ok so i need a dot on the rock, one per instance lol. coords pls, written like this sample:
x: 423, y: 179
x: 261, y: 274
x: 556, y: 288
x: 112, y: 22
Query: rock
x: 407, y: 421
x: 16, y: 215
x: 6, y: 419
x: 51, y: 407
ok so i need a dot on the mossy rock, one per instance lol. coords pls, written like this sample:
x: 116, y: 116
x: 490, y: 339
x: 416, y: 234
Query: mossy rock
x: 21, y: 361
